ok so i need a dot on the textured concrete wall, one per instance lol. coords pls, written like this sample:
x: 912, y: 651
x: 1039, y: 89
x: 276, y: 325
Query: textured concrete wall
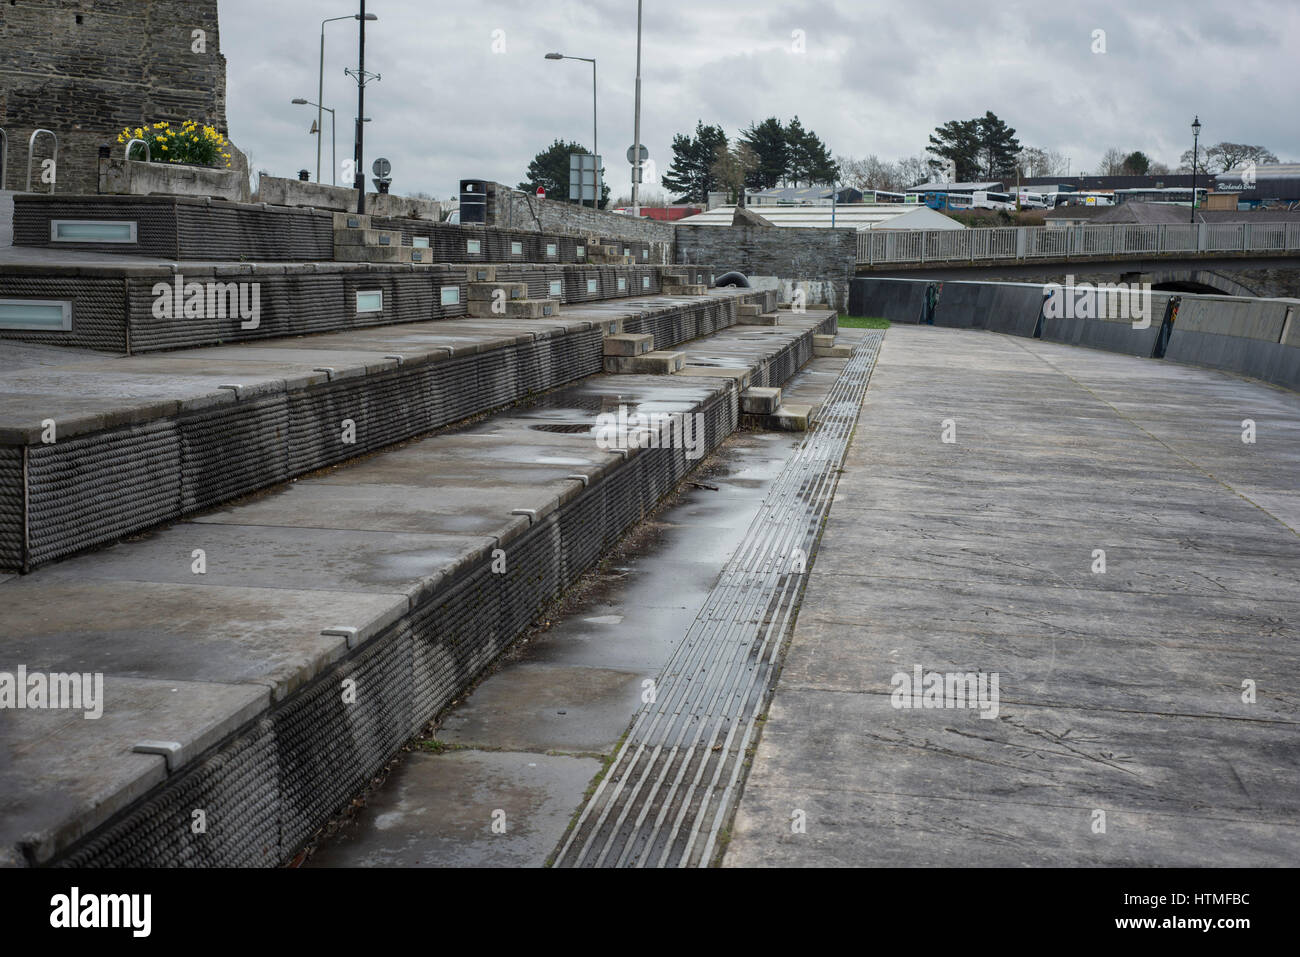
x: 1271, y: 278
x: 125, y: 63
x: 119, y: 176
x: 512, y: 209
x: 819, y: 259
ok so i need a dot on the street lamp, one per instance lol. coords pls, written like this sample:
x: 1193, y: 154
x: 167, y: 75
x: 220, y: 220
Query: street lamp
x: 1196, y: 137
x: 595, y: 147
x: 636, y: 126
x: 299, y: 101
x: 358, y: 148
x: 320, y: 83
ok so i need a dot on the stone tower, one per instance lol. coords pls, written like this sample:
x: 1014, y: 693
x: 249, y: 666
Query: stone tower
x: 87, y: 68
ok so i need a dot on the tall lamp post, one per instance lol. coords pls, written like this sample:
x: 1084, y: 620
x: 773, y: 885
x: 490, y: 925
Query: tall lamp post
x: 320, y: 85
x: 636, y: 125
x: 595, y: 146
x: 334, y: 159
x: 361, y: 76
x: 1196, y: 138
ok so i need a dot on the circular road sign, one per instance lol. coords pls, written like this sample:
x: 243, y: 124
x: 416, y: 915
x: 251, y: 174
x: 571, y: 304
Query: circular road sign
x: 631, y: 154
x: 382, y: 167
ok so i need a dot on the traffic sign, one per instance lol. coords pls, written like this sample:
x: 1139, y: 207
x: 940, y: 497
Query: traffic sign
x: 541, y: 192
x: 631, y: 154
x: 382, y: 167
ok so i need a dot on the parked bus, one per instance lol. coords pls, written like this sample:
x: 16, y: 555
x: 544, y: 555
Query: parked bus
x: 1170, y: 196
x: 957, y: 202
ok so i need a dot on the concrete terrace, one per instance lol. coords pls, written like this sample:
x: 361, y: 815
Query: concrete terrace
x: 291, y: 571
x: 1120, y: 692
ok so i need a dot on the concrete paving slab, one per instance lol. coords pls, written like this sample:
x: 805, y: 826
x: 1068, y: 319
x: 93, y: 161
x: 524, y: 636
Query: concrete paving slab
x: 62, y: 774
x: 265, y: 636
x: 1126, y: 692
x: 438, y: 811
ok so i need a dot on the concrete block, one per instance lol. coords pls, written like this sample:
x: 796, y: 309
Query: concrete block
x: 515, y: 309
x: 692, y: 289
x: 489, y: 290
x: 791, y: 418
x: 833, y: 352
x: 740, y: 376
x: 768, y: 319
x: 351, y: 221
x: 629, y: 344
x: 760, y: 400
x: 750, y: 309
x: 823, y: 342
x: 651, y: 363
x: 367, y: 237
x: 372, y: 254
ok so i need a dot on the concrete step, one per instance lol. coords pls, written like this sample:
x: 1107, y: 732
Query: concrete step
x: 738, y: 374
x: 380, y: 254
x: 649, y: 363
x: 629, y: 344
x: 351, y: 221
x: 792, y: 417
x: 515, y: 309
x: 760, y: 400
x: 491, y: 290
x: 367, y: 237
x: 692, y: 289
x: 765, y: 319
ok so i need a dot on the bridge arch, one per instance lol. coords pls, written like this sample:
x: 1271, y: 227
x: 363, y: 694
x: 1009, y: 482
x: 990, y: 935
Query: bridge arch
x: 1190, y: 279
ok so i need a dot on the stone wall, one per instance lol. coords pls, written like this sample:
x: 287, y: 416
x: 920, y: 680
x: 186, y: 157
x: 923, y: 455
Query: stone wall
x: 512, y: 209
x: 86, y: 70
x: 820, y: 261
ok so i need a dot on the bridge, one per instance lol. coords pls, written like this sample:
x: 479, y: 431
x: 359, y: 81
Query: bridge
x: 1237, y: 259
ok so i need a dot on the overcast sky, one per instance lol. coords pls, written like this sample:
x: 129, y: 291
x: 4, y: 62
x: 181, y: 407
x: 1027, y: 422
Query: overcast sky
x: 460, y: 100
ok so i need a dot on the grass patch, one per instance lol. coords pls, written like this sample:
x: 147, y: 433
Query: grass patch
x: 862, y: 322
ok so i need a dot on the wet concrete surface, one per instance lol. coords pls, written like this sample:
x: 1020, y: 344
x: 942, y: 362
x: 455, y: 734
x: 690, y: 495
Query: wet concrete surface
x: 1124, y: 734
x: 569, y: 693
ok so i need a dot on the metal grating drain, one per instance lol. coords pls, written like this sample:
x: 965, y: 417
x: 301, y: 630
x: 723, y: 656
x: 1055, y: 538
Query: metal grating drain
x: 673, y: 783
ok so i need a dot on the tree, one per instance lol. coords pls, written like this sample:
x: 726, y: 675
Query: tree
x: 771, y: 147
x: 998, y: 147
x: 958, y: 142
x: 732, y: 166
x: 1137, y: 163
x: 1112, y: 162
x: 1223, y: 157
x: 550, y: 170
x: 691, y: 172
x: 1032, y: 161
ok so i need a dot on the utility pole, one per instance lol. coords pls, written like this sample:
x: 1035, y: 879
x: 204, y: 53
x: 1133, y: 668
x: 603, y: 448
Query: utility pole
x: 636, y: 123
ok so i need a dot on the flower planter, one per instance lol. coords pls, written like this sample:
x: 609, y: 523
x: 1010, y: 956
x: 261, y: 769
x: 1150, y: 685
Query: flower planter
x: 134, y: 178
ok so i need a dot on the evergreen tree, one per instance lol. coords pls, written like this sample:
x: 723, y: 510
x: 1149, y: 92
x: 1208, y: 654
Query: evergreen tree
x: 771, y: 147
x: 550, y: 170
x: 984, y: 148
x: 691, y: 172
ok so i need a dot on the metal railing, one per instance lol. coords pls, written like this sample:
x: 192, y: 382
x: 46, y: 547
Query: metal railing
x: 31, y: 151
x: 1047, y: 242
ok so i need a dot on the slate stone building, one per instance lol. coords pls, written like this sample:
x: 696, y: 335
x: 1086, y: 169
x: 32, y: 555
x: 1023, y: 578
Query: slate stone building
x: 87, y: 68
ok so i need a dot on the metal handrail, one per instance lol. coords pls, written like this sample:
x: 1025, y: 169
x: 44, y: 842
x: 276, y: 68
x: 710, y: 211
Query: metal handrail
x: 1039, y: 242
x: 148, y: 153
x: 4, y: 157
x: 31, y: 150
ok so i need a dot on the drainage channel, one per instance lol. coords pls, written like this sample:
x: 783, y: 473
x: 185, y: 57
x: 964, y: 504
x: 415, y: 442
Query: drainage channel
x: 671, y: 787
